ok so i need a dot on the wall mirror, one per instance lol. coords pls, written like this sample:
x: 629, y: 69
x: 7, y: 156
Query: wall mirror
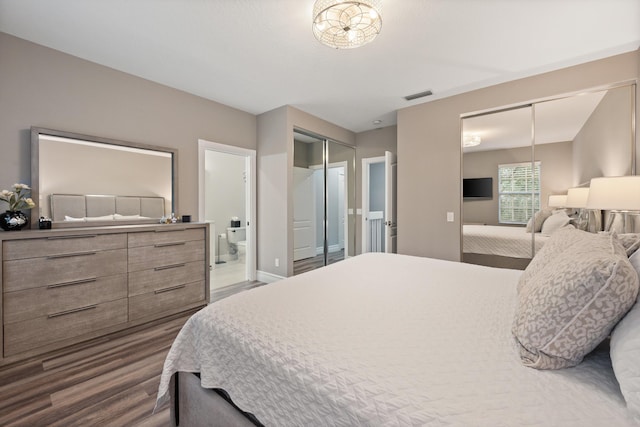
x: 531, y: 154
x: 323, y: 201
x: 80, y: 180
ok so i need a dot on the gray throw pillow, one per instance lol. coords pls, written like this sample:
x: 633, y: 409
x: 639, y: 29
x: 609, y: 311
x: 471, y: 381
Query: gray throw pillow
x: 535, y: 223
x: 572, y: 297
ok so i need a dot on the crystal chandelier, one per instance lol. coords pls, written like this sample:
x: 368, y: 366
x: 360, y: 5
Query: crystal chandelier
x: 346, y: 24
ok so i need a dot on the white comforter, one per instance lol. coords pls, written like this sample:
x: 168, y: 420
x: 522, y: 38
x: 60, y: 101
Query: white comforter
x: 512, y: 242
x: 387, y: 340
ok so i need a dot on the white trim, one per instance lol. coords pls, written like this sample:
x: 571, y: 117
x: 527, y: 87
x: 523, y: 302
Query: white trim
x: 251, y: 200
x: 366, y: 163
x: 265, y: 277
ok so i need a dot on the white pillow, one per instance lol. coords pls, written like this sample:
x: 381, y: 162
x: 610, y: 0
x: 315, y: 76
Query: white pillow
x: 625, y: 351
x: 70, y: 218
x: 535, y: 222
x: 555, y: 222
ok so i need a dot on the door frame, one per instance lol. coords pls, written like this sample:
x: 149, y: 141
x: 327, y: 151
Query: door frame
x: 366, y: 163
x: 250, y: 196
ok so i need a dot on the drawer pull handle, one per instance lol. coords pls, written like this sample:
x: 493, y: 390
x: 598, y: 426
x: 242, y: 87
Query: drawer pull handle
x: 167, y: 267
x: 167, y: 230
x: 71, y: 255
x: 172, y: 288
x: 74, y: 282
x: 83, y: 236
x: 74, y: 310
x: 164, y: 245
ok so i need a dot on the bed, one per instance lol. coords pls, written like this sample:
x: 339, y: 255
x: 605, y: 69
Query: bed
x: 499, y: 246
x: 378, y: 339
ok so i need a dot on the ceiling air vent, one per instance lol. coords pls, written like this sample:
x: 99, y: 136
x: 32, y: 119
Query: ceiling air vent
x: 418, y: 95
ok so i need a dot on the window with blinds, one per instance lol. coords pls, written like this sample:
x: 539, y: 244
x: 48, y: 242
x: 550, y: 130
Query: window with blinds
x: 518, y: 192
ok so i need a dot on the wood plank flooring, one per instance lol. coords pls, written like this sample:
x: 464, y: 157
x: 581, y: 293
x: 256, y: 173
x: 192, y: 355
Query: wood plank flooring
x: 309, y: 264
x: 109, y: 381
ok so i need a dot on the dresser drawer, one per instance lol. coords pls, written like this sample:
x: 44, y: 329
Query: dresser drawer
x: 50, y: 328
x: 150, y: 257
x: 144, y: 281
x: 31, y: 303
x: 59, y: 269
x: 48, y: 246
x: 165, y: 299
x: 166, y: 237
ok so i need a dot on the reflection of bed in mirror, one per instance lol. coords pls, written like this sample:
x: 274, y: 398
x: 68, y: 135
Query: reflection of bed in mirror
x: 74, y: 208
x: 499, y: 246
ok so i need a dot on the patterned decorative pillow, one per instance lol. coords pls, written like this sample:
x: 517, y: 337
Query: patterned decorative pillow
x: 625, y: 351
x: 630, y: 242
x: 535, y: 222
x: 568, y: 303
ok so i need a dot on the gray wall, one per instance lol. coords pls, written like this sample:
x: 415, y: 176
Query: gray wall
x: 429, y: 148
x: 598, y: 145
x: 46, y: 88
x: 225, y: 186
x: 555, y: 171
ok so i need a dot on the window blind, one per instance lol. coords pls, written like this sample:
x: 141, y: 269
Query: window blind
x: 518, y: 192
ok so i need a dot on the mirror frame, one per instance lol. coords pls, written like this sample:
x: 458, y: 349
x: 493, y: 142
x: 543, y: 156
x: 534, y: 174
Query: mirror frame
x: 35, y: 171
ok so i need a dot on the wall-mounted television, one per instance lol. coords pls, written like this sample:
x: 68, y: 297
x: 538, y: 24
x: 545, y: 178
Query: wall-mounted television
x: 477, y: 188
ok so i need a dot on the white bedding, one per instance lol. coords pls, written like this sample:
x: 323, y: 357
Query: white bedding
x: 387, y: 340
x: 512, y: 242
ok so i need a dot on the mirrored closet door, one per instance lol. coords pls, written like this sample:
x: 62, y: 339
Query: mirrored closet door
x: 549, y: 152
x: 323, y: 201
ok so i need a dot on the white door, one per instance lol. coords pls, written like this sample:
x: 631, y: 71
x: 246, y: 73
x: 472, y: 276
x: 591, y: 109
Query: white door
x: 304, y: 218
x: 390, y: 202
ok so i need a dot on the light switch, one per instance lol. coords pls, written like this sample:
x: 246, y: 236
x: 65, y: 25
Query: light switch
x: 450, y: 217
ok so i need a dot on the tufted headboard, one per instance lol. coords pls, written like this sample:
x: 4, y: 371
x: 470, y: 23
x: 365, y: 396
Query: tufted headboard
x: 99, y: 207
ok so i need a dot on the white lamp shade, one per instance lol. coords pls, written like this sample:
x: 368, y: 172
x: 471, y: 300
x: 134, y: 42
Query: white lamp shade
x: 557, y: 201
x: 620, y: 193
x: 577, y: 197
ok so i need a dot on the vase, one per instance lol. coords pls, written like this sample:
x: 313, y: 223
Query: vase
x: 13, y: 220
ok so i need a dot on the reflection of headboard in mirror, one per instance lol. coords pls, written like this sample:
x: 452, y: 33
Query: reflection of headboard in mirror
x: 74, y: 207
x: 64, y: 163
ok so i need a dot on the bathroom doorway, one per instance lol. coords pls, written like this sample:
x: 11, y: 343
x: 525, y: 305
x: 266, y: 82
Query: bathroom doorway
x: 227, y: 203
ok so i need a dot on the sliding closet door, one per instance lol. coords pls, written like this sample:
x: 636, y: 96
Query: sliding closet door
x: 340, y: 202
x: 323, y: 202
x: 500, y: 189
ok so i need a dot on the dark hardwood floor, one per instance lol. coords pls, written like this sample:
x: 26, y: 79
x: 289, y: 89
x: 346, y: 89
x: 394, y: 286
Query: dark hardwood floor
x: 309, y: 264
x: 110, y: 381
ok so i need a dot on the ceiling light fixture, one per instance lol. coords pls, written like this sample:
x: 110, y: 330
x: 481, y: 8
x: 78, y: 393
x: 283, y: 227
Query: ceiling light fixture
x: 471, y: 140
x: 346, y: 24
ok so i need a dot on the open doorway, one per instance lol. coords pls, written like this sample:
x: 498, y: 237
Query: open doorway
x: 227, y: 203
x: 379, y: 203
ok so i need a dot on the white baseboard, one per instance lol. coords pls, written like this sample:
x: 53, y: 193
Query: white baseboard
x: 263, y: 276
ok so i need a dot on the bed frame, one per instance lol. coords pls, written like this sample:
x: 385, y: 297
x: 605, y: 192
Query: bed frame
x: 193, y: 405
x: 496, y: 261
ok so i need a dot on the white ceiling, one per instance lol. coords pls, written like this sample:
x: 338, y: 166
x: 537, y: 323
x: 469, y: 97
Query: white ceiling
x: 257, y: 55
x: 557, y: 120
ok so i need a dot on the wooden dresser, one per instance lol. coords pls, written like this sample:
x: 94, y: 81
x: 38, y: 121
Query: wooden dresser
x: 64, y: 286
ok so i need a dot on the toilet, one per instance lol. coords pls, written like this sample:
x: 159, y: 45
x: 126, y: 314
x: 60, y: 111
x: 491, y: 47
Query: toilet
x: 237, y: 240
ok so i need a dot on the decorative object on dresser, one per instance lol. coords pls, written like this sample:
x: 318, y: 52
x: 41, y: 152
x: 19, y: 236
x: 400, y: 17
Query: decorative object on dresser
x: 64, y: 286
x: 13, y: 219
